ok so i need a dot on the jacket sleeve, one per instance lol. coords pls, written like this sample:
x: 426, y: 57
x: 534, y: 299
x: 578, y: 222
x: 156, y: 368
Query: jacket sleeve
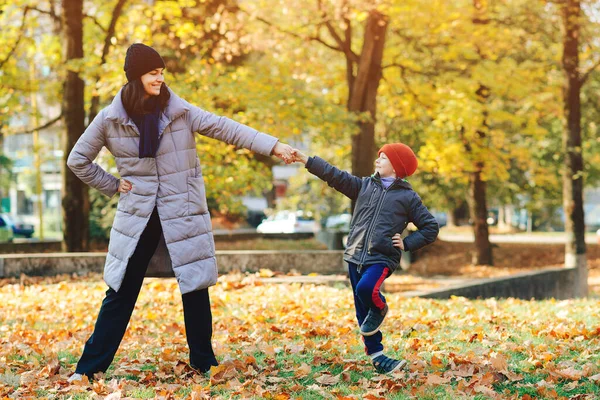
x: 229, y: 131
x: 82, y: 156
x: 342, y: 181
x: 425, y: 222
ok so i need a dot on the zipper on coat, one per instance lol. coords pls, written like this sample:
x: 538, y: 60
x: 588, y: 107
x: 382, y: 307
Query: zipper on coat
x: 369, y: 231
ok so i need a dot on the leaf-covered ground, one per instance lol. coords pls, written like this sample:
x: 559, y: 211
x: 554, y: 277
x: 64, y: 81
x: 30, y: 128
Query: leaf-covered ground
x: 291, y: 341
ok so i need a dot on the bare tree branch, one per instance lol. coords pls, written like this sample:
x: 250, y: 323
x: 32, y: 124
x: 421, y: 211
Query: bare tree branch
x: 22, y: 30
x: 51, y: 13
x: 315, y: 38
x: 404, y: 68
x: 342, y: 44
x: 39, y: 128
x: 350, y: 76
x: 117, y: 11
x: 111, y: 28
x: 409, y: 89
x: 318, y: 39
x: 95, y: 21
x: 57, y: 20
x: 587, y: 73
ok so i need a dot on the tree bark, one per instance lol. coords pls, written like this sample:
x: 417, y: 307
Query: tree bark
x: 482, y: 254
x: 75, y: 200
x: 458, y: 214
x: 364, y: 92
x: 575, y: 249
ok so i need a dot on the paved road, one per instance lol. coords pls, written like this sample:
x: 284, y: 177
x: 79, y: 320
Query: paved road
x: 541, y: 238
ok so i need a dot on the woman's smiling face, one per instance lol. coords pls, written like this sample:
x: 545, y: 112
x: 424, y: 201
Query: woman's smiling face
x: 153, y: 81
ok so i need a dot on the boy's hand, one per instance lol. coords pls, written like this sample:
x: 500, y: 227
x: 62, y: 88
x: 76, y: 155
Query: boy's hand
x: 300, y: 157
x: 124, y: 186
x: 398, y: 242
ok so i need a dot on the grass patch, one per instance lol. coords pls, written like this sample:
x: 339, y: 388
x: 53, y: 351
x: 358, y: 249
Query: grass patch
x: 143, y: 393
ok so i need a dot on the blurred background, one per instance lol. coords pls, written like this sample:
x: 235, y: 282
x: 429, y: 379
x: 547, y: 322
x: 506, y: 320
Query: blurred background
x: 498, y: 99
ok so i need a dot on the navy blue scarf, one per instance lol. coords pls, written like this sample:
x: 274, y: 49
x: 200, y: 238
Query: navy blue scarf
x: 147, y: 124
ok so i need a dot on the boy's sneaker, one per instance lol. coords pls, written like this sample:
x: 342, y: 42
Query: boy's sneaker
x: 386, y: 365
x: 373, y: 321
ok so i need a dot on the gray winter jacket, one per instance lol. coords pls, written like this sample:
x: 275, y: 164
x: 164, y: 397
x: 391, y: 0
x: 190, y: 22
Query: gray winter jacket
x: 378, y: 215
x: 172, y: 182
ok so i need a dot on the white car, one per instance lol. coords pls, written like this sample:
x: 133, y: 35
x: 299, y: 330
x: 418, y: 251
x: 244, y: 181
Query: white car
x: 289, y: 222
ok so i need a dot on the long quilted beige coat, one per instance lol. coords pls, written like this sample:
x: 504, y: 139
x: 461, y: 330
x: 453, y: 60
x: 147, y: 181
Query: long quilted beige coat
x: 172, y: 182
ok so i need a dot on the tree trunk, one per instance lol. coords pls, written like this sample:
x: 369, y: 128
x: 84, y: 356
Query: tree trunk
x: 75, y: 201
x: 482, y: 254
x: 451, y: 219
x: 575, y: 249
x: 459, y: 214
x: 364, y: 92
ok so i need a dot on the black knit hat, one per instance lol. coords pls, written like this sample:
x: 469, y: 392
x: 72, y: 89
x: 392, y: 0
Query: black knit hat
x: 141, y: 59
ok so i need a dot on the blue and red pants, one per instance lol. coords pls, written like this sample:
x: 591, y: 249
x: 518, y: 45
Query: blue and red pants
x: 366, y: 286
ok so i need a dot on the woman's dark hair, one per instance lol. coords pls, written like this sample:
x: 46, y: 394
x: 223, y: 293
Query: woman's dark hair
x: 134, y: 102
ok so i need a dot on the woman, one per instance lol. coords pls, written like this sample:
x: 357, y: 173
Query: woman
x: 162, y: 202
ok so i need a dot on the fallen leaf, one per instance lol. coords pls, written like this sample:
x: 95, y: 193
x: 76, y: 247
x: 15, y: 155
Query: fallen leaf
x: 327, y: 379
x: 437, y: 362
x: 303, y: 370
x: 595, y: 378
x: 485, y: 390
x: 433, y: 379
x: 499, y: 362
x: 114, y: 396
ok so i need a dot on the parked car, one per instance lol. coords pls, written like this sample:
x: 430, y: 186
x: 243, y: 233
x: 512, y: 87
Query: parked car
x: 441, y: 218
x: 18, y: 228
x: 6, y: 233
x: 340, y: 222
x: 289, y: 222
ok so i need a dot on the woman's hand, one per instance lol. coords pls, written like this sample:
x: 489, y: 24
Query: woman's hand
x: 398, y: 242
x: 284, y: 151
x: 124, y: 186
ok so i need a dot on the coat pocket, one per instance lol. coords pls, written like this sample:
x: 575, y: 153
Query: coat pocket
x: 384, y: 245
x: 123, y: 200
x: 196, y: 196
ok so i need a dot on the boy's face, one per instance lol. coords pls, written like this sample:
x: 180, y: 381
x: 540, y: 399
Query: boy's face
x: 384, y: 166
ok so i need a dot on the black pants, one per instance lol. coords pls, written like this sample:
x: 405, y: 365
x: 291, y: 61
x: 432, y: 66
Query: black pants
x: 117, y: 307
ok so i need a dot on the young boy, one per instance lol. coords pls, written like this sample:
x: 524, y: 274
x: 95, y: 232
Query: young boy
x: 385, y: 204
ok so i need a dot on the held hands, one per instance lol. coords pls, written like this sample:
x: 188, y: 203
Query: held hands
x: 288, y: 154
x: 397, y: 241
x: 284, y: 151
x: 124, y: 186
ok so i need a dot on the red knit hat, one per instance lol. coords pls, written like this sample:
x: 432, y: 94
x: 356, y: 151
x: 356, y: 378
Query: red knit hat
x: 402, y: 157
